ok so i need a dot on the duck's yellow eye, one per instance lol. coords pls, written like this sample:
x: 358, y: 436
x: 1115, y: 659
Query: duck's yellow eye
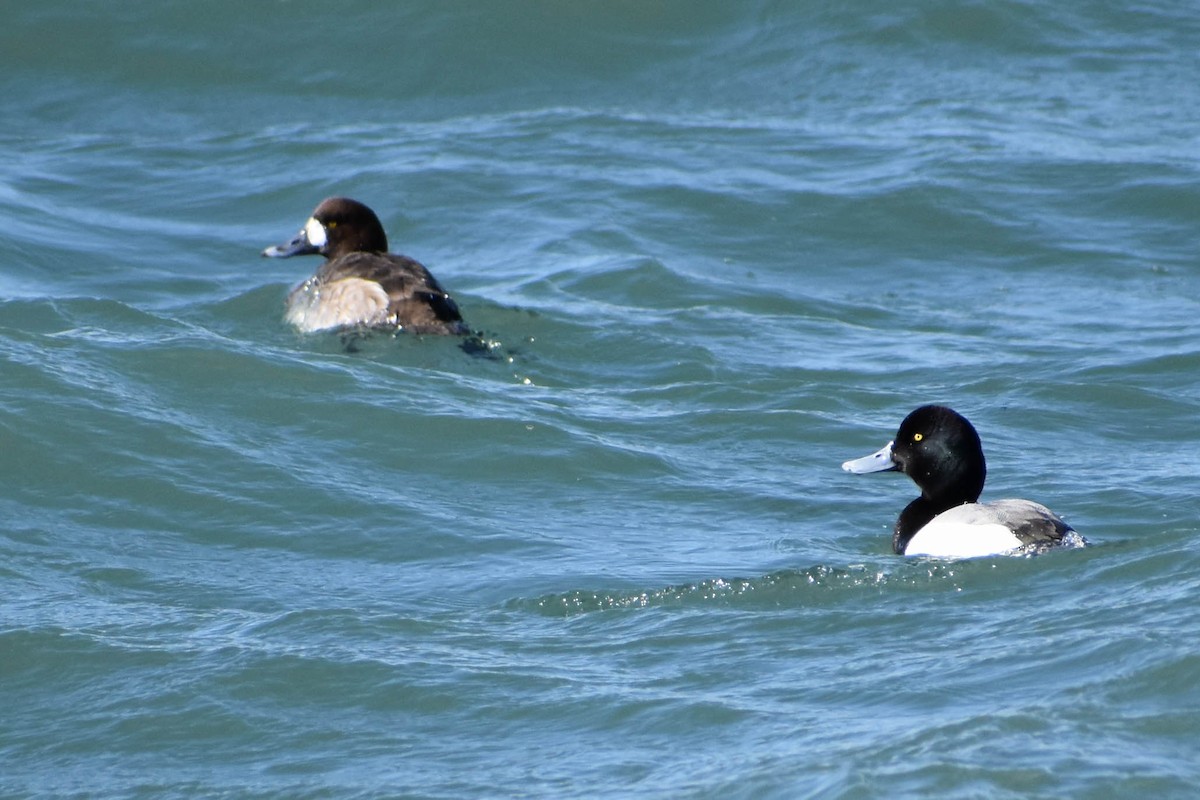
x: 331, y: 224
x: 918, y: 437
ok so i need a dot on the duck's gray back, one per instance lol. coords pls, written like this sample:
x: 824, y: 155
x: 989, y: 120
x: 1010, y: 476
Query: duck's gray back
x: 1031, y: 522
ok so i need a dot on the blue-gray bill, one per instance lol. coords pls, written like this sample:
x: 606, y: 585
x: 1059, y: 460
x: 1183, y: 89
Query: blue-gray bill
x: 879, y: 461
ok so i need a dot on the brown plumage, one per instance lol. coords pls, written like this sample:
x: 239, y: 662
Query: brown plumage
x: 361, y: 284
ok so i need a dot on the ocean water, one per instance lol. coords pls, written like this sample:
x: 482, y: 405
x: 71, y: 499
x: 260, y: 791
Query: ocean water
x: 716, y: 249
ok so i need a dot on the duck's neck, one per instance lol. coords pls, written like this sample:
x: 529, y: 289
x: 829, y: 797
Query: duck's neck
x: 914, y: 517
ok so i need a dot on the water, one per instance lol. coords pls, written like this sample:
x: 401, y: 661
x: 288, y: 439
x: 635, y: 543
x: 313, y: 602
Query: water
x: 719, y: 249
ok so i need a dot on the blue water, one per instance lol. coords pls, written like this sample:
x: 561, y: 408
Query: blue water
x: 716, y: 249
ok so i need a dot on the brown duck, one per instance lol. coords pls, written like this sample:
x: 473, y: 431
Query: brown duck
x: 361, y: 284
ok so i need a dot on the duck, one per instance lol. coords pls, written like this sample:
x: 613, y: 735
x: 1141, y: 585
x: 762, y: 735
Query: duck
x: 361, y: 284
x: 940, y: 450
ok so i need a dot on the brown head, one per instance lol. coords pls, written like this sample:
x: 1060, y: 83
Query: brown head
x: 337, y: 227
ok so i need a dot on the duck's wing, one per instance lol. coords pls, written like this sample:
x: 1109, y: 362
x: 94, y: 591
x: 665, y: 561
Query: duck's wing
x: 415, y: 300
x: 1032, y: 523
x: 997, y: 528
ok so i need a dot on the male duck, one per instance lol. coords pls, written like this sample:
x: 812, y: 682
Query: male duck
x: 361, y: 283
x: 940, y: 450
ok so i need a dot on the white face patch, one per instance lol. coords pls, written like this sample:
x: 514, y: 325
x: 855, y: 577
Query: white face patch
x: 315, y: 232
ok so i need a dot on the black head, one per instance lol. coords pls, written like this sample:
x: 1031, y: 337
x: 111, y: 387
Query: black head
x: 940, y: 450
x: 337, y: 227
